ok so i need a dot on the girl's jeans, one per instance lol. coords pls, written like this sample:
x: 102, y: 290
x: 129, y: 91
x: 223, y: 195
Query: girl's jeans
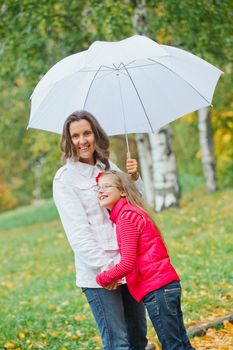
x: 120, y: 319
x: 164, y: 308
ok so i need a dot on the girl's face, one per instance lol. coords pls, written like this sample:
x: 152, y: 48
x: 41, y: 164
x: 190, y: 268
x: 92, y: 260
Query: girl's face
x: 83, y: 139
x: 109, y: 193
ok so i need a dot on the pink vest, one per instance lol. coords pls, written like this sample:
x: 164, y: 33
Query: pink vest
x: 153, y: 268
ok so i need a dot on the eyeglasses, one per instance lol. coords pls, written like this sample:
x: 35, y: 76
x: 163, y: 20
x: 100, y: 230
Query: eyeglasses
x: 105, y: 187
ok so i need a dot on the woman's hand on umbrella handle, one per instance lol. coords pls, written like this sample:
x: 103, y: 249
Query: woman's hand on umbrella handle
x: 132, y: 168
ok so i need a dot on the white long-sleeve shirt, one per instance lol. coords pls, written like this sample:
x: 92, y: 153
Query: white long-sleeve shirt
x: 89, y: 230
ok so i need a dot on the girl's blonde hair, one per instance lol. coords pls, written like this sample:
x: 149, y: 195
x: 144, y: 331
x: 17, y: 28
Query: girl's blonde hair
x: 124, y: 182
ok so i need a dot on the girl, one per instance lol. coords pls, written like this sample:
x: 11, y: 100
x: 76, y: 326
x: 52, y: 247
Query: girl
x: 144, y: 260
x: 120, y: 319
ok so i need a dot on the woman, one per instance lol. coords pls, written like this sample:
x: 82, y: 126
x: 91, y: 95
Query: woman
x: 120, y: 319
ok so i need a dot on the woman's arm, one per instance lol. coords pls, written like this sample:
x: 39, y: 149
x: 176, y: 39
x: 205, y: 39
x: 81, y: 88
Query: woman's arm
x: 76, y: 226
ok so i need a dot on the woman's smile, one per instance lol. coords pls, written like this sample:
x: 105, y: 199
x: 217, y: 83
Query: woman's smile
x: 84, y: 140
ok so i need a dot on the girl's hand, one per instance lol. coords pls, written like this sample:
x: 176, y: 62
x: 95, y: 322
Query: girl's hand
x: 114, y: 285
x: 132, y: 168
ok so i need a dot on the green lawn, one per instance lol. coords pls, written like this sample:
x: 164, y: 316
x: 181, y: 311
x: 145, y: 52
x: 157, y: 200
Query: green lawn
x: 42, y: 309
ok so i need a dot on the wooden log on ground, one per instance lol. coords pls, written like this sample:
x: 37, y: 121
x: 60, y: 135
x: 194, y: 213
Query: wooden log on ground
x: 201, y: 330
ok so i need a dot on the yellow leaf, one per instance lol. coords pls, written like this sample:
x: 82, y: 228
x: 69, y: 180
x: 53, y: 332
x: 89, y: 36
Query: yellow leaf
x: 51, y: 307
x: 228, y: 326
x: 74, y: 336
x: 198, y: 154
x: 54, y: 333
x: 79, y: 317
x: 21, y: 334
x: 9, y: 346
x: 8, y: 285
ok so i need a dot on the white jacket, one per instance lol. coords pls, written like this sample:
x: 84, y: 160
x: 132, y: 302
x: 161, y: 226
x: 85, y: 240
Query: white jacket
x: 89, y: 230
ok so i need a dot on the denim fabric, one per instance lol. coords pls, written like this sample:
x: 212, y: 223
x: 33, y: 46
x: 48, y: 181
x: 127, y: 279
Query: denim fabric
x: 164, y: 308
x: 120, y: 319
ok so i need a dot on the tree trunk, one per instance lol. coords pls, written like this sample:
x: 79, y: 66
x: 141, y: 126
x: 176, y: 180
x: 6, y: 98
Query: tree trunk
x: 160, y: 179
x: 207, y: 148
x: 164, y: 169
x: 144, y: 155
x: 143, y: 145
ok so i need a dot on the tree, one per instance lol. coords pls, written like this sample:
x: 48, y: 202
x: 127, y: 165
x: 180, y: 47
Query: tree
x: 162, y: 189
x: 205, y: 29
x: 164, y: 169
x: 207, y: 148
x: 144, y: 154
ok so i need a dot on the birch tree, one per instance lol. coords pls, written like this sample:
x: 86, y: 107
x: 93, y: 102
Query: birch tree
x: 194, y: 31
x: 207, y: 148
x: 144, y: 154
x: 142, y: 140
x: 159, y: 176
x: 164, y: 169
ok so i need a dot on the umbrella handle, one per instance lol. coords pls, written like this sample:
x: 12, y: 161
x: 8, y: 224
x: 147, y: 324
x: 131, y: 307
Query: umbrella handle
x: 128, y: 155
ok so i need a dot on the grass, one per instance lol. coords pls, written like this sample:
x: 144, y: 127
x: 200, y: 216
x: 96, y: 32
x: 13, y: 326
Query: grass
x: 42, y: 309
x: 26, y: 216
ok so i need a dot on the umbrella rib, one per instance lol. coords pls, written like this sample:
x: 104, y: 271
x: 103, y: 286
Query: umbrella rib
x: 183, y: 79
x: 87, y: 70
x: 143, y: 107
x: 122, y: 104
x: 84, y: 105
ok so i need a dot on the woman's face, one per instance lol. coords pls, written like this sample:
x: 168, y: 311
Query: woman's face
x: 83, y: 139
x: 109, y: 193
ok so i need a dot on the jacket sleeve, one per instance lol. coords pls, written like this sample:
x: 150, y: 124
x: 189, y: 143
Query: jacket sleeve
x: 129, y: 235
x: 76, y: 226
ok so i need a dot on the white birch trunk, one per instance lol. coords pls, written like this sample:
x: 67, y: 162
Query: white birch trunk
x: 163, y: 175
x: 166, y: 185
x: 144, y: 154
x: 207, y: 148
x: 143, y: 145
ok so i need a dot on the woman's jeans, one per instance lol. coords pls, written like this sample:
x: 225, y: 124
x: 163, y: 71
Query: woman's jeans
x: 120, y: 318
x: 164, y: 308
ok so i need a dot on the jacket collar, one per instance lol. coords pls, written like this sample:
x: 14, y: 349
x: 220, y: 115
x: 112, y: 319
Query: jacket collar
x: 116, y: 210
x: 84, y: 169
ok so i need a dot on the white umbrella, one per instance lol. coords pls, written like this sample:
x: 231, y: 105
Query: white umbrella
x: 133, y: 85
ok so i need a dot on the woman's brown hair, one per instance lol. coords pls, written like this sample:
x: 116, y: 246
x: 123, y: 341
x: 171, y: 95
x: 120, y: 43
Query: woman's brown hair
x: 101, y: 138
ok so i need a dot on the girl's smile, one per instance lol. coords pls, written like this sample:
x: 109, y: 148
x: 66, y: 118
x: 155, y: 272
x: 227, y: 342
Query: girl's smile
x: 109, y: 193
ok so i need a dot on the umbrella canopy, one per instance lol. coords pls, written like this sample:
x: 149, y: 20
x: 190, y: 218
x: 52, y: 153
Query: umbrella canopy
x: 133, y: 85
